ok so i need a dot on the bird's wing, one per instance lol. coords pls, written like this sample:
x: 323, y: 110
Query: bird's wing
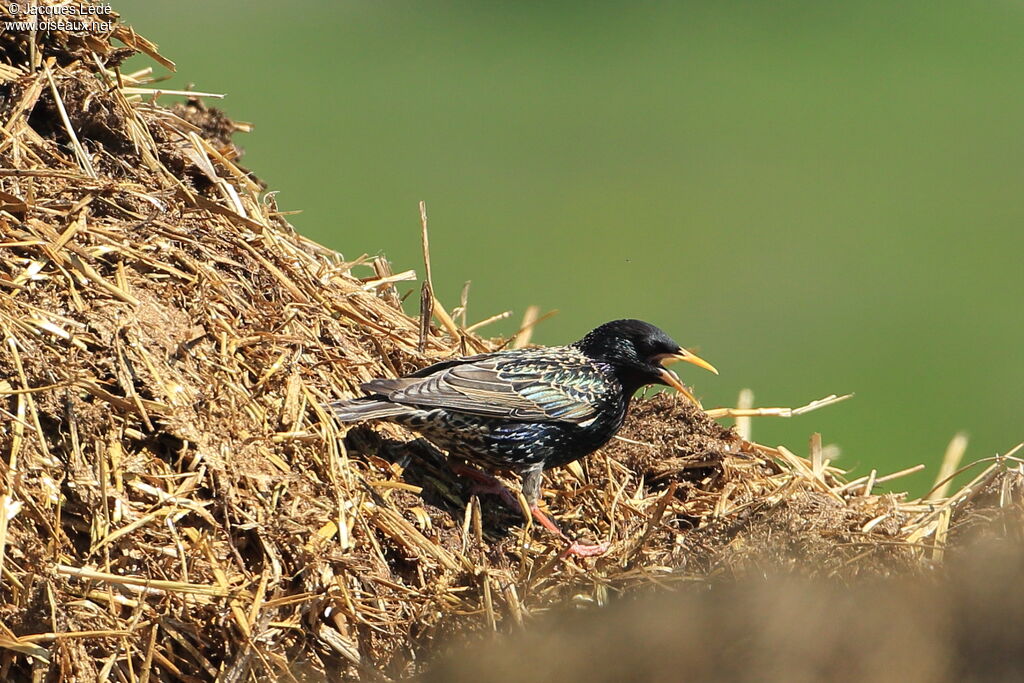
x: 540, y: 384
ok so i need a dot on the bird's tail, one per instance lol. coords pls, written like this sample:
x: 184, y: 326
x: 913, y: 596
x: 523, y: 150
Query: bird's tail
x: 366, y: 408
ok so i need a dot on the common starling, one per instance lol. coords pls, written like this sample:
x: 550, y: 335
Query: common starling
x: 528, y: 410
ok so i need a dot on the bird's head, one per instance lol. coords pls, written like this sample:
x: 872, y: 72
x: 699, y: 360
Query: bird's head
x: 639, y: 352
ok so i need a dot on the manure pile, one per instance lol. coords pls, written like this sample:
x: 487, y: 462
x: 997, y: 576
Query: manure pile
x: 177, y: 505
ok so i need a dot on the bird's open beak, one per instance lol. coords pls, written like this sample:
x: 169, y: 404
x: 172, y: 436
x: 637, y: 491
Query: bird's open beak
x: 686, y: 356
x: 672, y: 379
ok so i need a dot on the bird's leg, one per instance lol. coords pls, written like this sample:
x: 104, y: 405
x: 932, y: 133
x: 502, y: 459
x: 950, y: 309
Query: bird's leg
x: 484, y: 483
x: 531, y: 490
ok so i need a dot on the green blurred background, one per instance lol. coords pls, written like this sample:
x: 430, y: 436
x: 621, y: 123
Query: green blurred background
x: 819, y: 197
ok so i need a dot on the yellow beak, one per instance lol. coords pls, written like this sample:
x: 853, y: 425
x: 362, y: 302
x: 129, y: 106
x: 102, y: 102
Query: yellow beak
x: 687, y: 357
x: 672, y: 379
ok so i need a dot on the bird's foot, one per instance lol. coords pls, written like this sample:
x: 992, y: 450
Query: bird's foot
x: 578, y: 549
x: 575, y: 548
x: 485, y: 484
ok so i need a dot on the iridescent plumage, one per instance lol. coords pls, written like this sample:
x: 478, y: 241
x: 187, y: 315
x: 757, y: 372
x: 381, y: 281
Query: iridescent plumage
x: 527, y: 409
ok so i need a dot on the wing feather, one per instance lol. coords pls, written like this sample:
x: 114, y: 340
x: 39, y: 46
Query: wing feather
x: 535, y: 384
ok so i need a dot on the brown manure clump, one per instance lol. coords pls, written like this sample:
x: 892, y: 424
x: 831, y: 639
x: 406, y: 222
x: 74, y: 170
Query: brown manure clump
x: 177, y: 504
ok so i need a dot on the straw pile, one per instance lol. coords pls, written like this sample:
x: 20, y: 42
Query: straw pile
x: 177, y: 505
x: 961, y: 623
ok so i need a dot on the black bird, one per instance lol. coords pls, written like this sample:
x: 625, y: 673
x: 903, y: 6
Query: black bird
x: 528, y: 409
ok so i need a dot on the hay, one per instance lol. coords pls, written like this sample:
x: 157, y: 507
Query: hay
x: 177, y: 505
x: 958, y: 624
